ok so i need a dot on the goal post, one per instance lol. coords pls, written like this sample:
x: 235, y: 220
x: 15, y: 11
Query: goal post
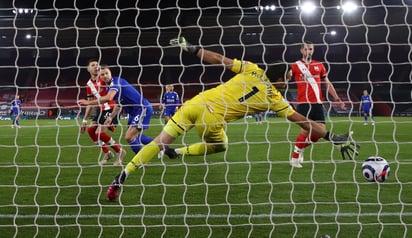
x: 52, y: 182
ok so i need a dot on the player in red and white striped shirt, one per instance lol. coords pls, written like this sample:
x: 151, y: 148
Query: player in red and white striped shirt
x: 309, y: 76
x: 96, y: 88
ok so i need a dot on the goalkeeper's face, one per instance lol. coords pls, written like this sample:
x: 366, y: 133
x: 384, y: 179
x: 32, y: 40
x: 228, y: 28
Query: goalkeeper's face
x: 106, y: 75
x: 276, y: 72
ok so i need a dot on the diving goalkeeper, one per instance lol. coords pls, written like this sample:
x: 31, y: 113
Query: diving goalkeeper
x: 250, y: 91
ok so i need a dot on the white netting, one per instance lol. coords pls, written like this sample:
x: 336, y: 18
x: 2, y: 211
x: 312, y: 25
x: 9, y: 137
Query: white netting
x: 52, y: 184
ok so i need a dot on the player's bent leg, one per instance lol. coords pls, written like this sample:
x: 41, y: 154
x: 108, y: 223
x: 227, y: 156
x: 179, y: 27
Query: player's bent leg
x: 167, y: 118
x: 91, y: 131
x: 143, y: 139
x: 140, y: 159
x: 223, y: 141
x: 295, y: 163
x: 220, y: 147
x: 112, y: 192
x: 204, y: 148
x: 143, y: 156
x: 301, y: 143
x: 216, y: 141
x: 170, y: 131
x: 109, y: 155
x: 131, y: 138
x: 163, y: 140
x: 298, y: 151
x: 120, y: 156
x: 136, y: 139
x: 149, y: 151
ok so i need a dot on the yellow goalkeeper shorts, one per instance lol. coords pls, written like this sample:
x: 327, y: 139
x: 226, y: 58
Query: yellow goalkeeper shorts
x: 194, y: 113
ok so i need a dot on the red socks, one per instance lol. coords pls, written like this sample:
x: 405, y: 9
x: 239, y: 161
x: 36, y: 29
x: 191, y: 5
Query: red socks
x: 95, y: 138
x: 301, y: 143
x: 109, y: 141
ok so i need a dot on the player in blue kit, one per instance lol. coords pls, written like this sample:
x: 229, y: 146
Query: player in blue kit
x: 127, y: 97
x: 366, y: 107
x: 15, y: 111
x: 170, y: 102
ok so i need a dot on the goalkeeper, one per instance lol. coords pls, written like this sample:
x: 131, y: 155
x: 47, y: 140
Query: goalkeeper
x: 250, y: 91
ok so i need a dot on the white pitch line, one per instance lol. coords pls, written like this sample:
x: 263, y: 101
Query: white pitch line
x: 129, y: 216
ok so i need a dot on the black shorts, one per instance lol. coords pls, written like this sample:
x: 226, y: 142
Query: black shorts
x: 101, y: 116
x: 314, y: 112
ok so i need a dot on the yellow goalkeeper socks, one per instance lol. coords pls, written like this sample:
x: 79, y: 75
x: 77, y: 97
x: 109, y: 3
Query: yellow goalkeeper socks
x: 144, y: 156
x: 196, y: 149
x: 201, y: 149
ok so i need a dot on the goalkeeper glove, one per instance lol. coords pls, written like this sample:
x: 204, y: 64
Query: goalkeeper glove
x: 349, y: 149
x: 186, y: 46
x: 338, y: 139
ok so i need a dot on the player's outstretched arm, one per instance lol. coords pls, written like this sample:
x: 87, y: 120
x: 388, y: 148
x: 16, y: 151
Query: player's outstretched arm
x: 184, y: 45
x: 109, y: 96
x: 85, y: 118
x: 206, y: 55
x: 332, y: 91
x: 345, y: 142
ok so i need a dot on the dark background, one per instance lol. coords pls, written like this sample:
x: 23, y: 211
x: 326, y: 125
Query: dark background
x: 371, y: 50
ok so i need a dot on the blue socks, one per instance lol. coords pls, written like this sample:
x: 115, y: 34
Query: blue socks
x: 137, y: 143
x: 144, y: 139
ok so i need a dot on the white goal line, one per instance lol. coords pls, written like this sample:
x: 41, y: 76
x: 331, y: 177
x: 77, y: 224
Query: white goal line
x: 131, y: 216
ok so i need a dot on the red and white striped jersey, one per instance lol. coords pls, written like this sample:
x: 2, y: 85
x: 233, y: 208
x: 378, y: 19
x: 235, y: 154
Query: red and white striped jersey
x: 308, y: 79
x: 97, y: 88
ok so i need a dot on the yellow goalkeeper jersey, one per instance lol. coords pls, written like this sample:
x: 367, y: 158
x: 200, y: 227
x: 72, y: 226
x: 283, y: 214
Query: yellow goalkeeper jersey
x: 248, y: 92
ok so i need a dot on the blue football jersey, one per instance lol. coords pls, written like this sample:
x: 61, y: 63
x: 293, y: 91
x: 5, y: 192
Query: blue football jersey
x: 171, y: 100
x: 366, y: 101
x: 15, y: 106
x: 127, y: 96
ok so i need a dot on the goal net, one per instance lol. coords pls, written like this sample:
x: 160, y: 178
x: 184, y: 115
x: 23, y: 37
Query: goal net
x: 52, y: 182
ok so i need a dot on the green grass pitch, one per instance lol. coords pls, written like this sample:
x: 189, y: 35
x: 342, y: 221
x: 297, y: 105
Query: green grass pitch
x: 52, y: 186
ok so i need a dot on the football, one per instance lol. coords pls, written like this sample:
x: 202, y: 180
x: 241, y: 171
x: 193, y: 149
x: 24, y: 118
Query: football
x: 375, y: 169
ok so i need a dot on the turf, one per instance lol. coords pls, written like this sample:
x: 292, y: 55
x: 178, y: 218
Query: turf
x: 52, y: 185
